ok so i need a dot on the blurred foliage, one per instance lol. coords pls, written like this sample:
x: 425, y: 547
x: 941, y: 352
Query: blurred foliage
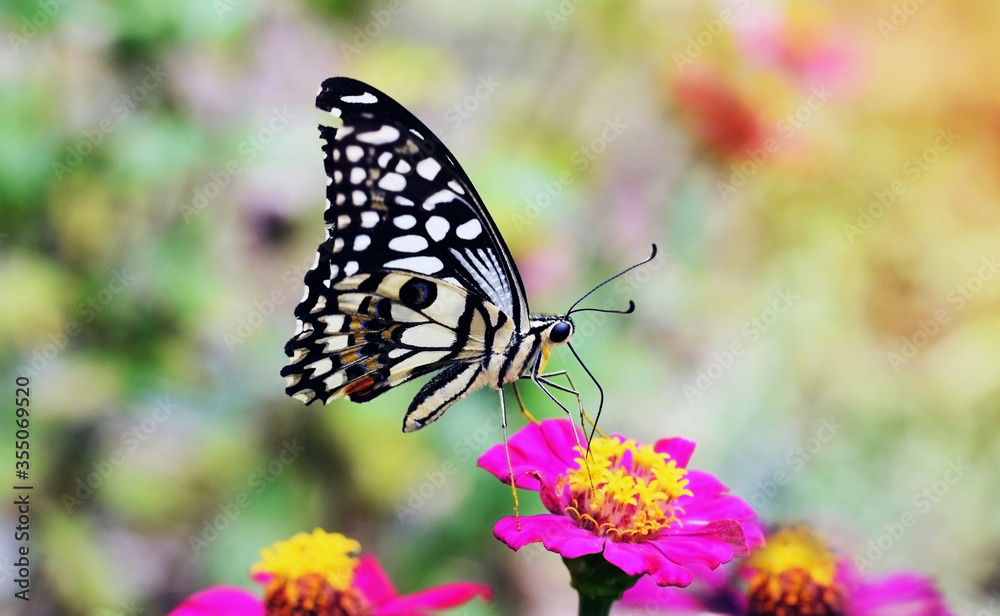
x: 161, y: 191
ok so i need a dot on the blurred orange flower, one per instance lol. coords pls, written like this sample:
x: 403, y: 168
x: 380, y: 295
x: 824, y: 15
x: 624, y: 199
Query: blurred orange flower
x: 719, y: 117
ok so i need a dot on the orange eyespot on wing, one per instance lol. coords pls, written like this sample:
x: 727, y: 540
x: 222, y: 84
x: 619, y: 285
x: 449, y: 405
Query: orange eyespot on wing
x: 359, y: 387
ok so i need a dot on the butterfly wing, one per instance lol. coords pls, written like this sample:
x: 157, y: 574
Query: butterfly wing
x: 413, y: 275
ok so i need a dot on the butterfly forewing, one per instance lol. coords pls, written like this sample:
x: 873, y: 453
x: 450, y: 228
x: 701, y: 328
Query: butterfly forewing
x: 413, y: 275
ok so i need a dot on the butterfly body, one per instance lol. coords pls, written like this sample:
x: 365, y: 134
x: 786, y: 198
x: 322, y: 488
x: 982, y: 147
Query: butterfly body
x: 413, y: 276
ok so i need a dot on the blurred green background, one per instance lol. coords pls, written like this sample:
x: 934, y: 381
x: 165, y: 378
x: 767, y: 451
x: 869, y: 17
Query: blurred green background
x: 824, y: 318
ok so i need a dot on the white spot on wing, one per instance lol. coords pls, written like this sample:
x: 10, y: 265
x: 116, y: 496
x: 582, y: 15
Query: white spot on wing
x: 354, y: 153
x: 306, y: 395
x: 369, y: 219
x: 384, y: 158
x: 421, y: 265
x: 469, y: 230
x: 358, y: 175
x: 335, y: 380
x: 403, y: 167
x: 393, y: 182
x: 321, y: 366
x: 428, y: 335
x: 333, y: 324
x: 361, y: 242
x: 385, y: 134
x: 437, y: 228
x: 400, y: 199
x: 366, y: 98
x: 350, y: 268
x: 343, y: 221
x: 452, y: 184
x: 441, y: 196
x: 408, y: 243
x: 428, y: 168
x: 402, y: 314
x: 359, y: 197
x: 405, y: 221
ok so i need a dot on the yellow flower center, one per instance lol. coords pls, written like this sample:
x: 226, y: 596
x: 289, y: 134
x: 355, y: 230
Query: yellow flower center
x: 312, y: 575
x: 623, y: 491
x: 794, y: 574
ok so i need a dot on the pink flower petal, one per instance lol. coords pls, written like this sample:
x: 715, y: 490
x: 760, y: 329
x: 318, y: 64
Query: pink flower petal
x: 704, y: 485
x: 372, y: 580
x: 708, y: 550
x: 754, y: 534
x: 556, y: 532
x: 437, y: 598
x: 538, y: 450
x: 652, y: 598
x: 221, y: 601
x: 700, y: 511
x: 902, y: 594
x: 679, y: 449
x: 562, y: 436
x: 639, y: 558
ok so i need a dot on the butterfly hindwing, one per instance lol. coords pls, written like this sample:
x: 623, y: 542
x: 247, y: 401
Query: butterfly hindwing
x: 371, y: 332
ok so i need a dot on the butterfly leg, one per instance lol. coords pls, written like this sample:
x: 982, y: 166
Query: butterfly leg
x: 520, y: 402
x: 506, y: 450
x: 543, y: 382
x: 584, y: 416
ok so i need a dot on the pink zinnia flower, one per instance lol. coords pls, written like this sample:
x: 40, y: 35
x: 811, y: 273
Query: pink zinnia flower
x: 638, y: 506
x: 321, y: 574
x: 797, y: 573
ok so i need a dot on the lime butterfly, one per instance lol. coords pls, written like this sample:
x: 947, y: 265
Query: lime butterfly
x: 413, y: 276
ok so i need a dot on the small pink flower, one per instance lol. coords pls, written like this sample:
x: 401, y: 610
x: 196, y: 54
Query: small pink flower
x: 321, y: 574
x: 795, y: 572
x: 809, y: 45
x: 638, y: 505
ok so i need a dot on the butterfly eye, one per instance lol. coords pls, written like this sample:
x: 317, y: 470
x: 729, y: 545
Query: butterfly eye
x: 560, y: 332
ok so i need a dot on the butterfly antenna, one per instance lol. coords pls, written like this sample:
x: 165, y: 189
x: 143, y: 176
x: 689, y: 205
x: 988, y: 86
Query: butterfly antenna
x: 618, y: 275
x: 629, y: 310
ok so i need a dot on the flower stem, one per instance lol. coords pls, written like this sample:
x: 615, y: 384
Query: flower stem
x: 595, y: 606
x: 598, y: 582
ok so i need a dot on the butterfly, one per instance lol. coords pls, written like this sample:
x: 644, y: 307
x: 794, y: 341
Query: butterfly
x: 413, y: 276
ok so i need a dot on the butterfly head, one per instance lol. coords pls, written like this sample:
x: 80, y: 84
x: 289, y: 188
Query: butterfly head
x: 552, y: 330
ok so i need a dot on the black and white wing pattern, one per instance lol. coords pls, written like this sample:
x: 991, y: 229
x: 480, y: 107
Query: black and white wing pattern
x: 413, y: 276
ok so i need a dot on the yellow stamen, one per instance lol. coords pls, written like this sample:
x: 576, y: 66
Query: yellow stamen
x: 312, y: 575
x: 794, y: 573
x: 795, y: 548
x: 623, y: 490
